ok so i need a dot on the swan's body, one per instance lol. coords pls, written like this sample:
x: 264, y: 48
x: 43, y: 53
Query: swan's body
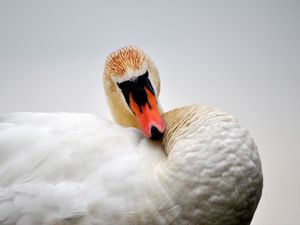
x: 70, y: 167
x: 78, y: 169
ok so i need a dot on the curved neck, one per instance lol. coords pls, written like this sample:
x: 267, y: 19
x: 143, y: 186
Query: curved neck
x: 178, y: 121
x: 205, y: 149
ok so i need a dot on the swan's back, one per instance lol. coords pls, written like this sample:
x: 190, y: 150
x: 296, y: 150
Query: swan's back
x: 70, y: 167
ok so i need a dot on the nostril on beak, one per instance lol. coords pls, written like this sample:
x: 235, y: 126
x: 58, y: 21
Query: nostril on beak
x: 155, y: 134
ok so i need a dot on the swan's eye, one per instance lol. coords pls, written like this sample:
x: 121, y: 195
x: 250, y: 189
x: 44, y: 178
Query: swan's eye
x: 136, y: 88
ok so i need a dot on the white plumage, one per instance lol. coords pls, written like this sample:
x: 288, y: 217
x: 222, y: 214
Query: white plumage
x: 68, y: 168
x: 64, y: 165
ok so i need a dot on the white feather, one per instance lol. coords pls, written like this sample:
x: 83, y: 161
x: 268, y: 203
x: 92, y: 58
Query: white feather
x: 66, y: 165
x: 67, y: 168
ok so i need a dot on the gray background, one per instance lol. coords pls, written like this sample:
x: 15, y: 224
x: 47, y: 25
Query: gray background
x: 241, y: 56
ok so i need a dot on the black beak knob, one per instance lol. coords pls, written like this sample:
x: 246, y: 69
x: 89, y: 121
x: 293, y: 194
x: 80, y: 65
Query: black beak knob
x: 155, y: 134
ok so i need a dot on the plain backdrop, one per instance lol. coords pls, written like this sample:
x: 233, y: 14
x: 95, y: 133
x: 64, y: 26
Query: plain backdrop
x: 240, y: 56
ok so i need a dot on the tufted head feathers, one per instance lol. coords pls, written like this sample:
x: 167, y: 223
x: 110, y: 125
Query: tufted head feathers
x: 124, y: 59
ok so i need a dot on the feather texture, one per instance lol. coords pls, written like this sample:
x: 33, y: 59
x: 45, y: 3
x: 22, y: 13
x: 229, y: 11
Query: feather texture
x: 67, y: 168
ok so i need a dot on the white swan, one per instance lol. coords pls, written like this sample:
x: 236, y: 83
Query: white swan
x: 67, y: 168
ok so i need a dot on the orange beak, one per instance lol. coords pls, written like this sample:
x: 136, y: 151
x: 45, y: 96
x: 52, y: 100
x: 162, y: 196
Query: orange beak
x: 148, y: 116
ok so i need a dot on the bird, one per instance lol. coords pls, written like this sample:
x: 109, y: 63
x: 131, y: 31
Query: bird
x: 194, y: 165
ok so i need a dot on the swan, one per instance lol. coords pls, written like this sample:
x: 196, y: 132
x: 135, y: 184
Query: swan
x: 201, y: 168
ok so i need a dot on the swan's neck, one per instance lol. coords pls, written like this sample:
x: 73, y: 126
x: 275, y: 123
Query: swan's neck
x: 214, y: 160
x: 178, y: 126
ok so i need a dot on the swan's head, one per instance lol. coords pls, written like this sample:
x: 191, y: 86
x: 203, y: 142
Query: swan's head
x: 132, y: 87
